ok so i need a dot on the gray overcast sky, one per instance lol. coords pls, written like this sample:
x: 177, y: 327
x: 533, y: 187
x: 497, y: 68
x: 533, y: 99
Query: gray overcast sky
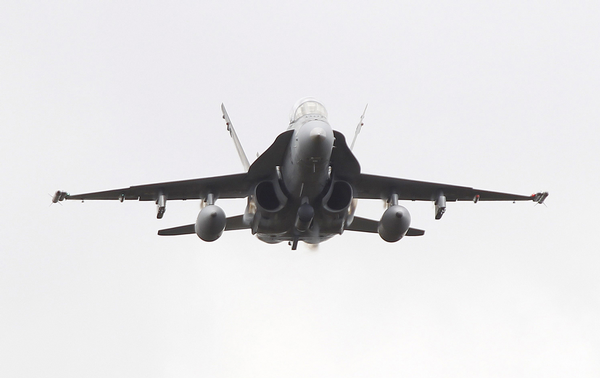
x: 501, y: 96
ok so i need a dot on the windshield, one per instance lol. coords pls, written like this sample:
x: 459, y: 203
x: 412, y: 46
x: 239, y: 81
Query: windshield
x: 307, y: 106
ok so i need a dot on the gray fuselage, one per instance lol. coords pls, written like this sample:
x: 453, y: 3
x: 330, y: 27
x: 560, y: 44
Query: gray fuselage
x: 305, y: 170
x: 306, y: 182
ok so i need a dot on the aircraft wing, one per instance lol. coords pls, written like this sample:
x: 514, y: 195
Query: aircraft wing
x: 230, y: 186
x: 381, y: 187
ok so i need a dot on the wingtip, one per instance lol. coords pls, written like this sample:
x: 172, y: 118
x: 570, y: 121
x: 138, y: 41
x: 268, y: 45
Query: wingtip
x: 59, y: 196
x: 540, y: 197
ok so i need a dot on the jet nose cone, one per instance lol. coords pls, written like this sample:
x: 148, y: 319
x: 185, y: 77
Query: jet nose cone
x: 318, y: 133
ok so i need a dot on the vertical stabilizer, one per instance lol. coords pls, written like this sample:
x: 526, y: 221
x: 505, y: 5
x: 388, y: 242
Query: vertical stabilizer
x: 358, y: 128
x: 236, y: 141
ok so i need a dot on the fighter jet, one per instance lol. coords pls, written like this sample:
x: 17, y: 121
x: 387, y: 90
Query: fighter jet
x: 304, y: 187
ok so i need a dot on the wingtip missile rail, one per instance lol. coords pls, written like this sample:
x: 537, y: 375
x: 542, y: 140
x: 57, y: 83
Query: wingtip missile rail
x: 303, y: 188
x: 540, y: 197
x: 59, y: 196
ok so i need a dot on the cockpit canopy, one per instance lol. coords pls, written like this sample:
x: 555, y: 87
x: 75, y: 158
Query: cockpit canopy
x: 307, y: 106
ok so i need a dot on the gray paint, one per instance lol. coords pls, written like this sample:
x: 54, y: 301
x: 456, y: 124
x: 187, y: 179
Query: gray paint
x: 310, y: 165
x: 499, y: 95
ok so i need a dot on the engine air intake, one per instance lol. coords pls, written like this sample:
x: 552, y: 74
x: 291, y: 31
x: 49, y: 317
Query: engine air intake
x: 339, y: 196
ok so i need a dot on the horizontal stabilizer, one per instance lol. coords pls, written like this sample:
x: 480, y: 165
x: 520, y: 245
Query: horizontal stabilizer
x: 233, y: 223
x: 363, y: 225
x: 181, y: 230
x: 415, y: 232
x: 368, y: 225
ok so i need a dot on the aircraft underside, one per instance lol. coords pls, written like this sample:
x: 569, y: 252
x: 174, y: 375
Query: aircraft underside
x: 305, y: 187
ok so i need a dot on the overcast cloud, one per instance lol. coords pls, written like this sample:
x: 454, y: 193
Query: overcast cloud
x: 496, y: 95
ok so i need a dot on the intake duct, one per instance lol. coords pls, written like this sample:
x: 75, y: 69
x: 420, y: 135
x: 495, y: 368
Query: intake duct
x: 339, y: 197
x: 269, y: 196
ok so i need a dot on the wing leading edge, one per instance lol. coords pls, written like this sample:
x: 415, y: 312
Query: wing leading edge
x: 230, y: 186
x: 381, y: 187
